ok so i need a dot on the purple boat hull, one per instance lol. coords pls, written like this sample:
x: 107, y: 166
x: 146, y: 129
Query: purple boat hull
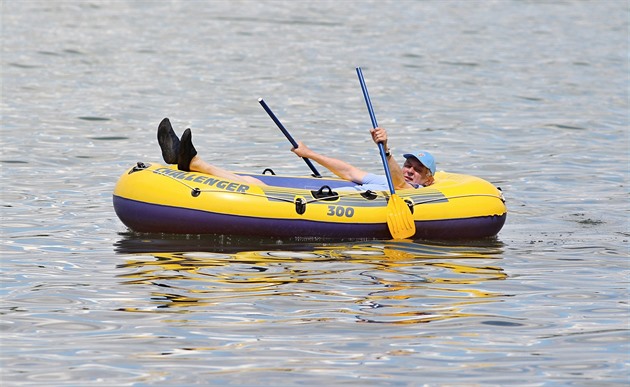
x: 154, y: 218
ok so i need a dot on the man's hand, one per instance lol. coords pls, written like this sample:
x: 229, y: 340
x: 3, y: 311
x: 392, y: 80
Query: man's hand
x: 379, y: 135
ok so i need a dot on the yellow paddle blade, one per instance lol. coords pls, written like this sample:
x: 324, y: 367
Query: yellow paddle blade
x: 399, y: 218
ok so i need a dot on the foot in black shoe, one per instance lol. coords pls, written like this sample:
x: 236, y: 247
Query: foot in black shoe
x: 186, y: 151
x: 169, y: 143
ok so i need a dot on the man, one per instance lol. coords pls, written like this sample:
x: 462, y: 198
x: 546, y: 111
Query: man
x: 417, y: 171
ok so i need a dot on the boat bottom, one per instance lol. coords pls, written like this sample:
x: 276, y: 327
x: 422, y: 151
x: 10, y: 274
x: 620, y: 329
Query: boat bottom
x: 154, y: 218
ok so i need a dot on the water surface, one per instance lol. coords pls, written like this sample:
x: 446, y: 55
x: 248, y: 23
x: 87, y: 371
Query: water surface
x: 532, y: 96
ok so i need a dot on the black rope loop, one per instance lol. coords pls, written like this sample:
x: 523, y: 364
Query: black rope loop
x: 329, y: 195
x: 139, y: 167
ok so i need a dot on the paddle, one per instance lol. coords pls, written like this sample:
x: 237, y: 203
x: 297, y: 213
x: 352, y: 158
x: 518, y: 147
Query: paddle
x: 288, y: 136
x: 399, y: 218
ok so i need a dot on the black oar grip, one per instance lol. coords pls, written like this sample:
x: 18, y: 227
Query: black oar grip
x: 287, y: 135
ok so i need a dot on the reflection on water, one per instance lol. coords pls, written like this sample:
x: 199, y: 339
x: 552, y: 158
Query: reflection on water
x: 380, y: 282
x: 530, y: 95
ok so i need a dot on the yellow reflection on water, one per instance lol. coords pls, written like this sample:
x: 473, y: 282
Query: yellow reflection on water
x: 387, y: 282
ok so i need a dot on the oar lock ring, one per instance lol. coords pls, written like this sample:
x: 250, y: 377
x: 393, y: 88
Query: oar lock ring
x: 409, y: 204
x: 300, y: 206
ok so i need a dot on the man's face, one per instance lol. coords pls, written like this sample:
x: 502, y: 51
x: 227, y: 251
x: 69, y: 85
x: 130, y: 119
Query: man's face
x: 415, y: 173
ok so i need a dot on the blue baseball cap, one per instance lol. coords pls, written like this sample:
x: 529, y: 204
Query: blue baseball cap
x: 425, y: 158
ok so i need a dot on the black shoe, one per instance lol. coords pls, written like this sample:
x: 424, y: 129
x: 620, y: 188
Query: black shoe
x: 169, y: 143
x: 186, y: 151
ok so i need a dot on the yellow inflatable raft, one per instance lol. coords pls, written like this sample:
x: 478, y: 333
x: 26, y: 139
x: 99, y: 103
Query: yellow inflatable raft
x: 158, y: 198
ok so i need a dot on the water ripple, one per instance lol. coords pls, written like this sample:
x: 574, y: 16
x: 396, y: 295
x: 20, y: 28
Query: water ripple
x: 532, y: 96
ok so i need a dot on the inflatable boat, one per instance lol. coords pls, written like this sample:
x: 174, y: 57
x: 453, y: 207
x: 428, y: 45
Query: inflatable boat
x: 155, y: 198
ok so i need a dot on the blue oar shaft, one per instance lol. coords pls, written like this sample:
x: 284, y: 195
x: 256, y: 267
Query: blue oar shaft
x: 287, y: 135
x: 381, y: 147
